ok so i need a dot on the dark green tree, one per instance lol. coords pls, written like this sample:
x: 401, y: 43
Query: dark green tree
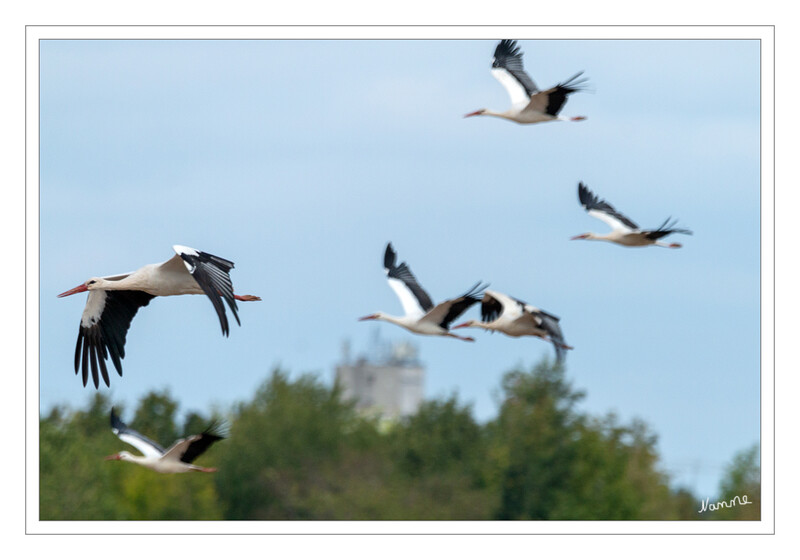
x: 197, y: 423
x: 534, y: 442
x: 552, y: 462
x: 297, y: 450
x: 155, y: 417
x: 442, y: 436
x: 284, y: 450
x: 742, y: 478
x: 75, y: 483
x: 439, y: 456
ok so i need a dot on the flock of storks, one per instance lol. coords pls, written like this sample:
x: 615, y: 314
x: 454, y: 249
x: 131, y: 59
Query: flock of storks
x: 114, y: 300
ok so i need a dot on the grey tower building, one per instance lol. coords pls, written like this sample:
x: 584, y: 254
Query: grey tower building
x: 389, y: 382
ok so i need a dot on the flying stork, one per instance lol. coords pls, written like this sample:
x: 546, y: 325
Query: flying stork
x: 528, y: 104
x: 514, y: 317
x: 421, y: 316
x: 176, y: 459
x: 624, y: 230
x: 114, y: 300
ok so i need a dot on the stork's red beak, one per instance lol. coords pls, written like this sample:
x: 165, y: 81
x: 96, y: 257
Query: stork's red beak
x: 75, y: 290
x: 473, y: 114
x: 581, y: 236
x: 246, y: 298
x: 367, y: 317
x: 114, y: 457
x: 461, y: 326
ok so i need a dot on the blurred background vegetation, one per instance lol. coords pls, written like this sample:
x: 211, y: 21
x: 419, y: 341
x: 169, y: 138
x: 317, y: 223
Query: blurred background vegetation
x: 299, y: 451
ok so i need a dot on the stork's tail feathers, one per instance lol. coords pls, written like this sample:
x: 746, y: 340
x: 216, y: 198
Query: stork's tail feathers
x: 574, y: 84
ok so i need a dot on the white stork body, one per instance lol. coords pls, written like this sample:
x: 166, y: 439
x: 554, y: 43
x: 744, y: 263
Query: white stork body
x: 421, y: 317
x: 114, y: 300
x: 176, y: 459
x: 513, y: 317
x: 624, y: 231
x: 528, y: 104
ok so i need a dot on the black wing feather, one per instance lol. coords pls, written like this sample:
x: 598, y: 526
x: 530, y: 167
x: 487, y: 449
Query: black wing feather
x: 106, y: 336
x: 665, y: 229
x: 591, y: 202
x: 201, y: 444
x: 211, y: 274
x: 461, y: 304
x: 404, y: 274
x: 508, y: 56
x: 557, y: 96
x: 491, y: 309
x: 550, y: 324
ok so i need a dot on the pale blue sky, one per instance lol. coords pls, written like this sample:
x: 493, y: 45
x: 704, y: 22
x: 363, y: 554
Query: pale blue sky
x: 299, y: 160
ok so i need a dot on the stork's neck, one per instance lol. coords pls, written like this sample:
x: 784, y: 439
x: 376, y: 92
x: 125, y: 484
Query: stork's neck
x: 127, y: 281
x: 510, y: 114
x: 152, y: 279
x: 601, y: 237
x: 138, y: 459
x: 401, y: 321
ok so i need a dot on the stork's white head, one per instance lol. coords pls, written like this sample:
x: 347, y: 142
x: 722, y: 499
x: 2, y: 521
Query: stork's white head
x: 373, y: 317
x: 121, y: 456
x: 90, y: 284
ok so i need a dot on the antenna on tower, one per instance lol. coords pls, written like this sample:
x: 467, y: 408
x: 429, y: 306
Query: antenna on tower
x: 377, y: 349
x: 346, y: 352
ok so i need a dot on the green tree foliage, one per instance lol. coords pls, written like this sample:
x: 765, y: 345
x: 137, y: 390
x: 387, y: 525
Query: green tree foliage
x: 550, y: 462
x: 196, y: 423
x: 298, y: 451
x: 149, y: 495
x: 686, y: 505
x: 155, y: 417
x: 75, y: 483
x: 287, y: 449
x: 72, y: 482
x: 438, y: 464
x: 742, y: 478
x: 441, y: 436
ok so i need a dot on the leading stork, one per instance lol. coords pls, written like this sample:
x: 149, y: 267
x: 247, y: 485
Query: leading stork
x: 114, y: 300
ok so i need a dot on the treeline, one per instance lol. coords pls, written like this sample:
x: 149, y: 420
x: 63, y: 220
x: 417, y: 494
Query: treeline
x: 298, y: 451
